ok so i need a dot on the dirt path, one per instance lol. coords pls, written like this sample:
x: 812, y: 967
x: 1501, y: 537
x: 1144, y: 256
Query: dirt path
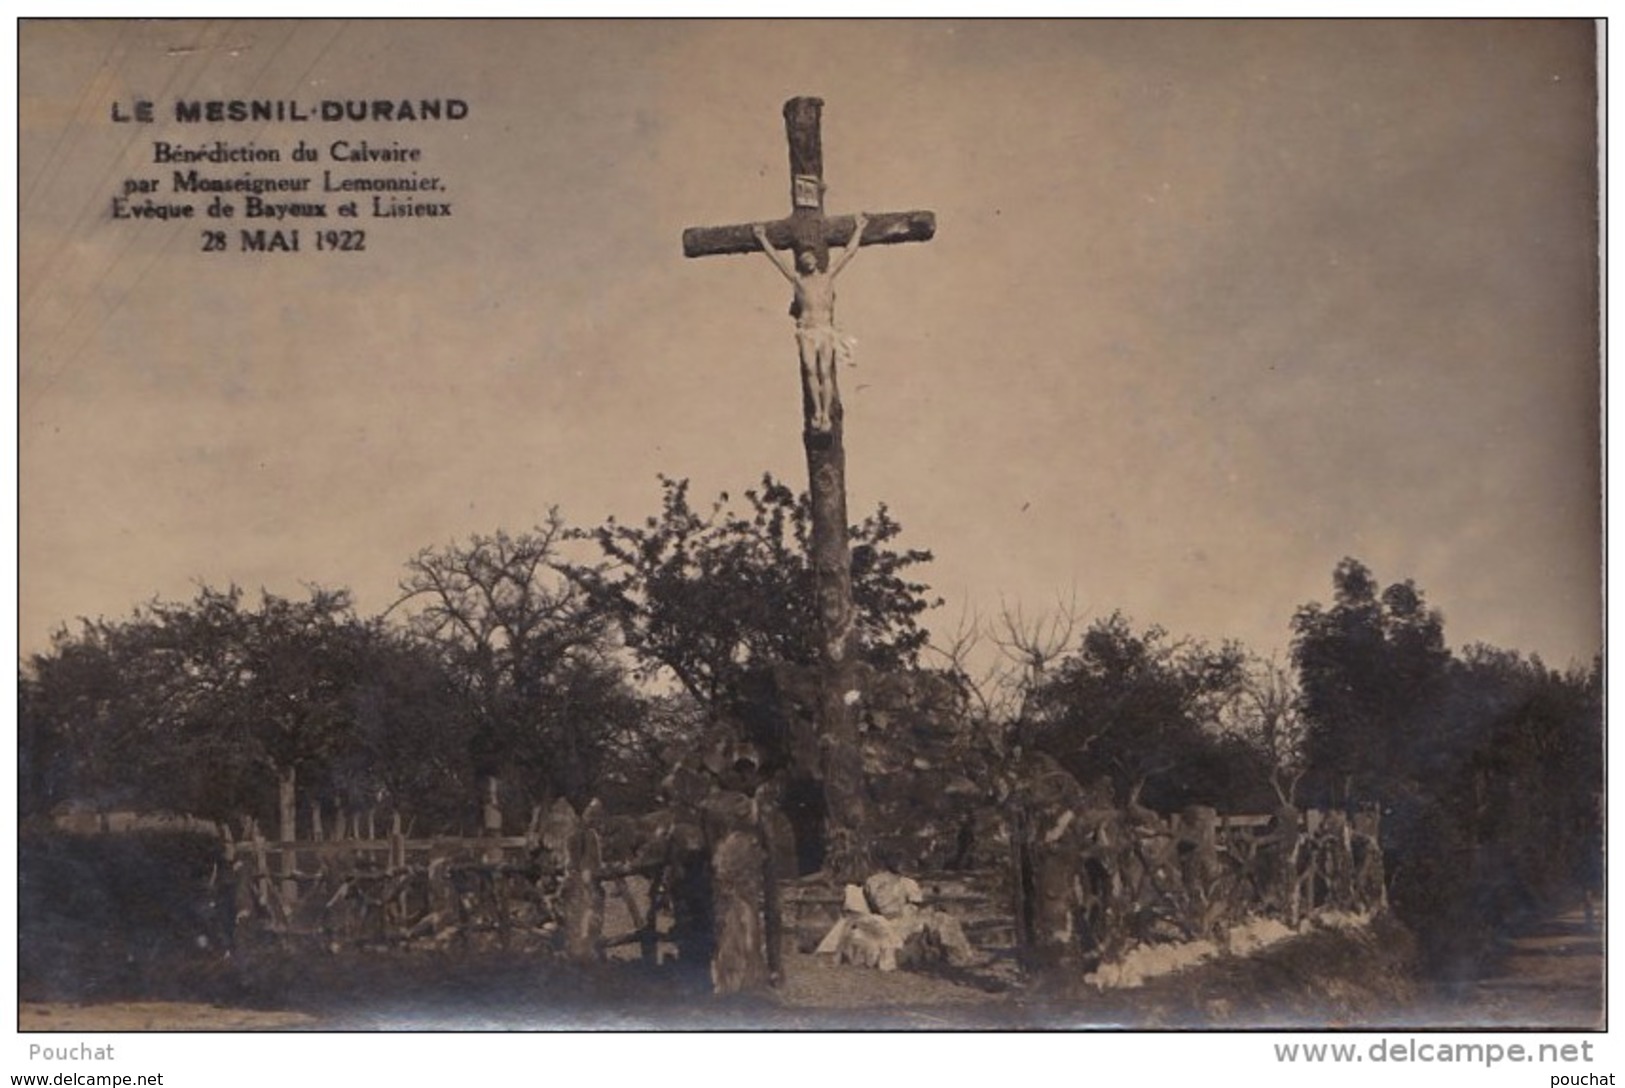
x: 152, y: 1016
x: 1550, y: 976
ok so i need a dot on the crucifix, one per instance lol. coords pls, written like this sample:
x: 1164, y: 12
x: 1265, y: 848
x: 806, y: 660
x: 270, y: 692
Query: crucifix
x: 810, y: 234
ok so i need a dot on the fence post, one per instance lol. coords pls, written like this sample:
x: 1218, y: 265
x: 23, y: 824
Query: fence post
x: 269, y: 895
x: 491, y: 817
x: 397, y: 844
x: 491, y: 809
x: 287, y: 832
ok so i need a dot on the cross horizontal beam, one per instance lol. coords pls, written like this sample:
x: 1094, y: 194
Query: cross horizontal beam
x: 885, y: 228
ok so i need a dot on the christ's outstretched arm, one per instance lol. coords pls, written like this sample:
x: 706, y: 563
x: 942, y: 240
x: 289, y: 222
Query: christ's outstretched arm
x: 851, y: 246
x: 779, y: 262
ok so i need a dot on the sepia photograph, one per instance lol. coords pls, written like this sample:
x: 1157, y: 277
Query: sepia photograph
x: 473, y: 577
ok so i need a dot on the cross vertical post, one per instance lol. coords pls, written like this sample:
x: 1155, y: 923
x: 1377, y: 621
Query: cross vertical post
x: 807, y: 230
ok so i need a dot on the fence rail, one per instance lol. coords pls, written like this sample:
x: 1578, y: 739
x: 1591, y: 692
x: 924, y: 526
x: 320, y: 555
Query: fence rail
x: 1081, y: 883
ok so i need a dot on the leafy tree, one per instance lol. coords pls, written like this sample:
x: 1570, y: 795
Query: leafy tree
x: 208, y: 706
x: 1488, y: 767
x: 710, y: 598
x: 1502, y: 818
x: 1372, y: 669
x: 1532, y: 779
x: 1145, y: 709
x: 409, y: 751
x: 284, y: 693
x: 80, y: 720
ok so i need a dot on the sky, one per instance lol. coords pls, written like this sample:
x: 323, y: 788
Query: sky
x: 1211, y: 306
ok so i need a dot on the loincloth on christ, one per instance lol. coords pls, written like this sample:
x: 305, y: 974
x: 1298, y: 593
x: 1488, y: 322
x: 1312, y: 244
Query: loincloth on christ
x: 826, y: 338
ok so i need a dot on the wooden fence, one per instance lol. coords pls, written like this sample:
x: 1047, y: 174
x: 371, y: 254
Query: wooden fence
x: 496, y: 891
x: 1108, y: 881
x: 1092, y: 885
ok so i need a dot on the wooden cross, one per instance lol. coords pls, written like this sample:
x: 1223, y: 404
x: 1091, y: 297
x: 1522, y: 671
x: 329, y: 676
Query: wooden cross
x: 807, y: 226
x: 846, y: 832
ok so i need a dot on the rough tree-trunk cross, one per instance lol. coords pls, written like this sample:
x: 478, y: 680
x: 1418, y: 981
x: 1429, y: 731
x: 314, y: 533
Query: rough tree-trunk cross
x: 810, y: 234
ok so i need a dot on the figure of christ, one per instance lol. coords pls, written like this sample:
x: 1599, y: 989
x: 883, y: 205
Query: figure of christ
x: 814, y: 310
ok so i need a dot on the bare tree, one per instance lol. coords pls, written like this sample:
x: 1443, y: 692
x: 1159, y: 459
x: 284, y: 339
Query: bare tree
x: 536, y: 662
x: 998, y: 667
x: 1266, y: 714
x: 1031, y: 648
